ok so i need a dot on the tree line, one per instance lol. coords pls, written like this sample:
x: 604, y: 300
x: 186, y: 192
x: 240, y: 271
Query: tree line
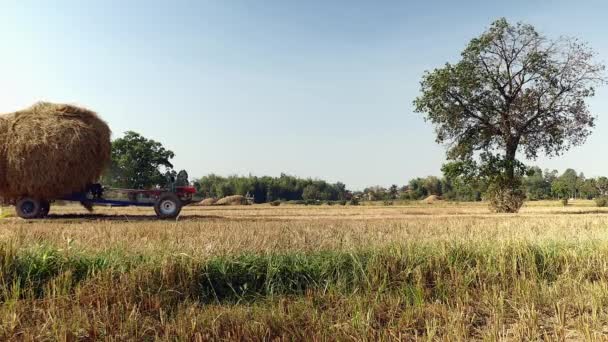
x: 268, y: 189
x: 140, y: 163
x: 536, y: 185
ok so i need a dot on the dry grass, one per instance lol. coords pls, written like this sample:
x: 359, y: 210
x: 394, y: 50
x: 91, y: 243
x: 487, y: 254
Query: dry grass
x: 232, y: 200
x: 444, y: 271
x: 50, y: 150
x: 206, y: 202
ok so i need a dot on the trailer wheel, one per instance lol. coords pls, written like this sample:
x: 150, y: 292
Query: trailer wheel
x: 28, y: 208
x: 168, y: 206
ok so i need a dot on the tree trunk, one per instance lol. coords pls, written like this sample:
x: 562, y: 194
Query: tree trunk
x: 510, y: 163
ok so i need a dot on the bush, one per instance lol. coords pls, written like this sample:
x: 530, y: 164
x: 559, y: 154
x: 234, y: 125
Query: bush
x: 601, y: 201
x: 505, y: 198
x: 343, y: 202
x: 354, y: 201
x: 388, y: 203
x: 275, y: 203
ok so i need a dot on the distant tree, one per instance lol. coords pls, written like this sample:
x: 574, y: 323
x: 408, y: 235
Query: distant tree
x: 341, y: 192
x: 560, y: 189
x: 224, y: 189
x: 376, y: 193
x: 536, y: 185
x: 393, y: 191
x: 588, y: 189
x: 206, y: 185
x: 570, y: 180
x: 460, y: 183
x: 138, y: 162
x: 550, y: 176
x: 602, y: 186
x: 417, y: 189
x: 433, y: 185
x: 513, y: 91
x: 311, y: 192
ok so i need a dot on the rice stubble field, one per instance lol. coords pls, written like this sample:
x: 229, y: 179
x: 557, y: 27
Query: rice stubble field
x: 442, y: 271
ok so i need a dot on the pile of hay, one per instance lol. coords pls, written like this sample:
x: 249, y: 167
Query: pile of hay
x: 431, y: 199
x: 207, y: 202
x: 232, y: 200
x: 50, y: 150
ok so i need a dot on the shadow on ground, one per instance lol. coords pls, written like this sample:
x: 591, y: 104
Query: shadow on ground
x: 582, y: 212
x: 124, y: 218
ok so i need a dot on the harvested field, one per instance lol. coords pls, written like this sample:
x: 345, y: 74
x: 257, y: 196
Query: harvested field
x: 448, y: 271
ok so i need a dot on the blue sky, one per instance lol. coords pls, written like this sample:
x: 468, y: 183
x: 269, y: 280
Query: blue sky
x: 312, y: 88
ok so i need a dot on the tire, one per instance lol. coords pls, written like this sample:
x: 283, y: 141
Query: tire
x: 29, y: 208
x: 45, y: 208
x: 168, y: 206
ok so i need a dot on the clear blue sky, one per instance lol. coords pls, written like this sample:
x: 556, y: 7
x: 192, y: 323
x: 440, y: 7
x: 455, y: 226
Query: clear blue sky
x: 312, y: 88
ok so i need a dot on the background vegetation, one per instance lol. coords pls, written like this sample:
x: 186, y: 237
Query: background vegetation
x: 268, y: 189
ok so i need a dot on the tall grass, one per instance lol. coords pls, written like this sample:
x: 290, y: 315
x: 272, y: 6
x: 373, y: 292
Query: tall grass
x: 486, y: 285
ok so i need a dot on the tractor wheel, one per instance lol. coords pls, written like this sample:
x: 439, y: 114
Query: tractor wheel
x: 29, y: 208
x: 168, y: 206
x: 45, y: 208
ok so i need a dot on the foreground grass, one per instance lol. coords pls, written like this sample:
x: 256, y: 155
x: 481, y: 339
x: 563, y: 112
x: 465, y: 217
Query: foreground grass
x: 425, y: 290
x: 445, y: 271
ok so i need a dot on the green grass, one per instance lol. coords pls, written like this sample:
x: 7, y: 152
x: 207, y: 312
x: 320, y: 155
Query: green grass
x: 458, y: 290
x: 433, y: 268
x: 5, y: 212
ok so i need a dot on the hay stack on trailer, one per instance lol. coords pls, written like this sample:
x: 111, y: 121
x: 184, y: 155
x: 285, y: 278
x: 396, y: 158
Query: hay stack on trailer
x: 51, y: 150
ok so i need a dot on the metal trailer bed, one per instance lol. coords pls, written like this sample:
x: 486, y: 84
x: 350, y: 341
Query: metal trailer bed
x: 167, y: 203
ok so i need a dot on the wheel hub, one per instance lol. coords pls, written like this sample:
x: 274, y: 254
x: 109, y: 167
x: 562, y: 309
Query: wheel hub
x: 167, y: 207
x: 28, y: 207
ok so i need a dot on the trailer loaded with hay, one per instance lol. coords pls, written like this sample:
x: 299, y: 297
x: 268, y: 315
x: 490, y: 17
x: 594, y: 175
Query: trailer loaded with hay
x: 52, y: 152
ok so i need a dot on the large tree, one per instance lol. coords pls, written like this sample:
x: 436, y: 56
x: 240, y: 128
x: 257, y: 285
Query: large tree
x: 137, y: 162
x: 513, y: 91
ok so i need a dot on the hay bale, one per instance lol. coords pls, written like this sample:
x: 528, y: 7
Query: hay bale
x: 207, y: 202
x: 50, y: 150
x: 431, y: 199
x: 232, y: 200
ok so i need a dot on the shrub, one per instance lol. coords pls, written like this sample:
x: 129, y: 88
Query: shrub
x: 343, y: 202
x: 354, y: 201
x: 275, y: 203
x: 601, y: 201
x: 388, y: 203
x: 505, y: 198
x: 312, y: 202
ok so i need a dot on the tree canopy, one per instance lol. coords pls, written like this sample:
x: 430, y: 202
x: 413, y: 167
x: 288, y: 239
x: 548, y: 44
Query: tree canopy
x: 137, y: 162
